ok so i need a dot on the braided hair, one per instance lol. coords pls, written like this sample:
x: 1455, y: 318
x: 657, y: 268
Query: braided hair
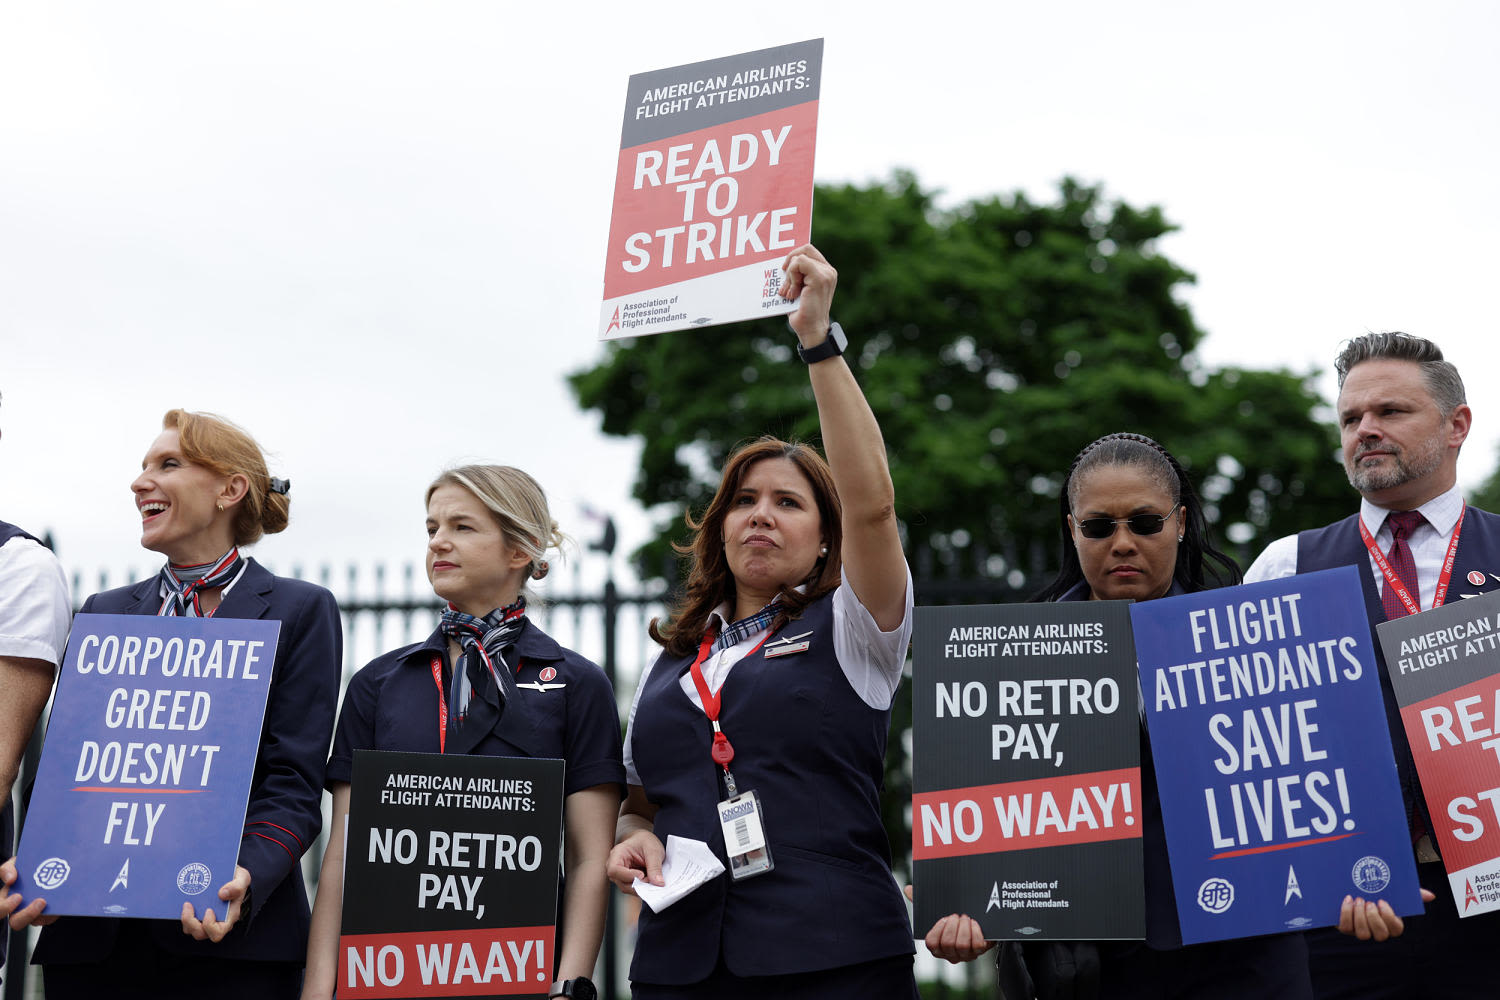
x: 1200, y: 566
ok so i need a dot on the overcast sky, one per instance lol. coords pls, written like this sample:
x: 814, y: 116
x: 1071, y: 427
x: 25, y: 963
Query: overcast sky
x: 374, y: 233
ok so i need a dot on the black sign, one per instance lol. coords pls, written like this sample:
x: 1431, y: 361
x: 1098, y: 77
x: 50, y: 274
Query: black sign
x: 1026, y: 812
x: 450, y: 876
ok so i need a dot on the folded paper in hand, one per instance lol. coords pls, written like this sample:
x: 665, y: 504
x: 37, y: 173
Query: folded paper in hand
x: 688, y: 865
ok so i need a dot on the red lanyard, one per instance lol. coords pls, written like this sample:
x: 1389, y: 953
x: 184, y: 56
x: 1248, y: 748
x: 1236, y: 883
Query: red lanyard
x: 1393, y: 582
x: 437, y: 678
x: 722, y: 751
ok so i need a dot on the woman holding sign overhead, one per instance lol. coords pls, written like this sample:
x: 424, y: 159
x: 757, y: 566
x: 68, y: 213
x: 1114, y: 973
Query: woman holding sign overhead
x: 203, y: 493
x: 1133, y: 529
x: 487, y: 681
x: 760, y: 730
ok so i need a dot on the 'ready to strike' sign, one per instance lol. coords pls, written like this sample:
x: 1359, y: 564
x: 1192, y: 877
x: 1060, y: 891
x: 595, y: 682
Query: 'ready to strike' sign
x: 1444, y: 666
x: 139, y: 801
x: 450, y: 876
x: 1278, y: 785
x: 714, y: 187
x: 1026, y: 805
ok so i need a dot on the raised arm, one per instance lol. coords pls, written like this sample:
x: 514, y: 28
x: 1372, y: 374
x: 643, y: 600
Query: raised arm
x: 872, y: 560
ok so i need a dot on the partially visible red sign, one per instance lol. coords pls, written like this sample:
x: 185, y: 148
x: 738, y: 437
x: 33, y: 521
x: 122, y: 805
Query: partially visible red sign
x: 1023, y: 815
x: 482, y: 962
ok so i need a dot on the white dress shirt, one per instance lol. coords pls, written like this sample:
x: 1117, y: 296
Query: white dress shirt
x: 1429, y: 546
x: 34, y: 606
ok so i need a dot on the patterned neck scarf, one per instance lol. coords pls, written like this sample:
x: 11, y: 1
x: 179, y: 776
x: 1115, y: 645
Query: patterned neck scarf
x: 484, y: 642
x: 181, y: 586
x: 737, y: 632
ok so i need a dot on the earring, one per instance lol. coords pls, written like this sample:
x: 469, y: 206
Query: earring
x: 823, y: 551
x: 1180, y: 537
x: 221, y: 506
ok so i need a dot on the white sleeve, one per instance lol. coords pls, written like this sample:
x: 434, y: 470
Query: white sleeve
x: 1279, y: 560
x: 872, y: 660
x: 34, y: 606
x: 632, y: 776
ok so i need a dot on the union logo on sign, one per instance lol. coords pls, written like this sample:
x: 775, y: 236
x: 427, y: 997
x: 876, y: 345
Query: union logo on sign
x: 1216, y: 895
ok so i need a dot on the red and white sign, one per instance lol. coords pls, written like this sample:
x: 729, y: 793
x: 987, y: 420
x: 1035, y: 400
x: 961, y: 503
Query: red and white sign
x: 1444, y: 665
x: 713, y: 189
x: 1023, y: 815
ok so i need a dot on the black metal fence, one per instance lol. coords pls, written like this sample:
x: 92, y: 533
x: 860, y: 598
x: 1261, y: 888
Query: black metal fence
x: 384, y: 609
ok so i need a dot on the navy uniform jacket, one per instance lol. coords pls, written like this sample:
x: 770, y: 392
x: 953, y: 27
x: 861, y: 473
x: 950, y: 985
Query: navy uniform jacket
x: 284, y: 813
x: 392, y: 704
x: 815, y: 754
x: 1340, y: 544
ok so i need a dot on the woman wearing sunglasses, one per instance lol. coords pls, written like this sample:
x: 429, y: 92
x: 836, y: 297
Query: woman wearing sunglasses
x: 1133, y: 529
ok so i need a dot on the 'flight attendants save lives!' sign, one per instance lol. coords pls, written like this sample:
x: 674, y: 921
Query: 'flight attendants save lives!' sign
x: 1278, y: 786
x: 139, y: 803
x: 713, y: 189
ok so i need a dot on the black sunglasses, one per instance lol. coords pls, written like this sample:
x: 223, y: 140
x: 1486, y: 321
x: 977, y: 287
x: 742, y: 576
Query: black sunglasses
x: 1139, y: 524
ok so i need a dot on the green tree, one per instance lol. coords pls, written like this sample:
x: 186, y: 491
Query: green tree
x: 994, y: 340
x: 1487, y: 497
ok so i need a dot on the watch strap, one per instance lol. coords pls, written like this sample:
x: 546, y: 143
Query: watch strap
x: 832, y: 346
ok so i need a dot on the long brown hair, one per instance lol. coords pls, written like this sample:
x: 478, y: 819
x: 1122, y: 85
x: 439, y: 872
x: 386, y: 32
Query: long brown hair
x: 710, y: 583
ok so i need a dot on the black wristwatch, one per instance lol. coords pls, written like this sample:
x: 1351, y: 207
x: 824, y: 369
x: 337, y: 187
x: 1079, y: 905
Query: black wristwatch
x: 577, y: 989
x: 832, y: 346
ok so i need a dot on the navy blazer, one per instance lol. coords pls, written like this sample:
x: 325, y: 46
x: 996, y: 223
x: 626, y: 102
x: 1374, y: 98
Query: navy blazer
x: 284, y: 813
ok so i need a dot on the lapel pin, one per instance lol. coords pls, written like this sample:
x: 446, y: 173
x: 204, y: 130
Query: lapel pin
x: 1476, y: 578
x: 787, y: 645
x: 544, y: 675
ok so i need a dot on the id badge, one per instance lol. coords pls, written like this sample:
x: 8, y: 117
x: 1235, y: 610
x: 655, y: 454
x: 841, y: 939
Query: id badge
x: 745, y: 836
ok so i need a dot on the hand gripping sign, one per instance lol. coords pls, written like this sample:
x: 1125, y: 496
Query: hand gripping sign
x: 1026, y: 812
x: 1278, y: 786
x: 713, y: 189
x: 1444, y: 665
x: 139, y: 802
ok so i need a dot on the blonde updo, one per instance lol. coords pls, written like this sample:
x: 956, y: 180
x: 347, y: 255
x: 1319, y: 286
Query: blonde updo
x: 519, y: 506
x: 209, y: 440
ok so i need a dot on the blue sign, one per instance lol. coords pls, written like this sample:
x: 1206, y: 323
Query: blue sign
x: 139, y: 803
x: 1278, y: 785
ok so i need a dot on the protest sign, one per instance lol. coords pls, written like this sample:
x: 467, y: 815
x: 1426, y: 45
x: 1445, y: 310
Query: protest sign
x: 713, y: 189
x: 139, y: 802
x: 1026, y: 812
x: 450, y: 876
x: 1278, y: 785
x: 1444, y: 665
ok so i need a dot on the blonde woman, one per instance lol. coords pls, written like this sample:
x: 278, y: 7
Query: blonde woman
x: 488, y: 529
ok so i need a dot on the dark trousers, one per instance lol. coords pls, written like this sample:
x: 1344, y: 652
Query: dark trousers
x: 1439, y: 956
x: 883, y: 979
x: 1264, y: 968
x: 138, y: 969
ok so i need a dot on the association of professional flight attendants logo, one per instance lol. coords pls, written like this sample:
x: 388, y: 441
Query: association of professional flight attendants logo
x: 1371, y: 874
x: 1216, y: 895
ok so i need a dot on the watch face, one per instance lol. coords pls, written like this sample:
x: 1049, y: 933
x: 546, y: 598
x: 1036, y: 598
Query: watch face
x: 582, y: 989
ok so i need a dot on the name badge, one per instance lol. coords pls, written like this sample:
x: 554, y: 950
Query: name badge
x: 787, y: 646
x: 745, y: 836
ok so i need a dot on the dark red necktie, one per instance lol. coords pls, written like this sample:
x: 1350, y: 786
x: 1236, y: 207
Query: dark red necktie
x: 1403, y: 523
